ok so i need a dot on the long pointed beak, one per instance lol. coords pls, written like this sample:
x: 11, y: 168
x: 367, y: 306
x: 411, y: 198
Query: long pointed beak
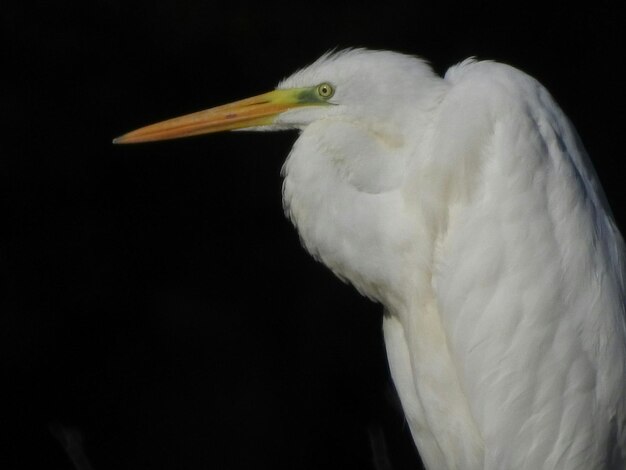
x: 259, y: 110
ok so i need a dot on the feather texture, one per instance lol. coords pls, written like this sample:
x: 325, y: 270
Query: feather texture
x: 468, y: 207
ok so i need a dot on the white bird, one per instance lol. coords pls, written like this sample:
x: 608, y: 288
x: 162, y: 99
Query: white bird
x: 466, y: 206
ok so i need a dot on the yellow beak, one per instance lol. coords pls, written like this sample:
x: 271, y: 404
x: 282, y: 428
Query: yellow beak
x: 259, y: 110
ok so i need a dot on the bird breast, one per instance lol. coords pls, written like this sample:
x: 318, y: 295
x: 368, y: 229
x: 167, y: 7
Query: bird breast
x: 342, y: 192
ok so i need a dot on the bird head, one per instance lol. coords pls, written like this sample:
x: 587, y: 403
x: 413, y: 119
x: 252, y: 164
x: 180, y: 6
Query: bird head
x: 373, y: 88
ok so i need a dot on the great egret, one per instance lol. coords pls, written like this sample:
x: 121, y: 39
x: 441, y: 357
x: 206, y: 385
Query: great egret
x: 467, y: 206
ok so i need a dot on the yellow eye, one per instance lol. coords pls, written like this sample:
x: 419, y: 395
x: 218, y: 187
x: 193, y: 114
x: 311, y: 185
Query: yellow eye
x: 325, y: 90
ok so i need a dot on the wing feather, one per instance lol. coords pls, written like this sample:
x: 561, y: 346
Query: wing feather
x: 529, y: 276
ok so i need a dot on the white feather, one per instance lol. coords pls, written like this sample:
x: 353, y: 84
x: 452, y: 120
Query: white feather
x: 467, y: 206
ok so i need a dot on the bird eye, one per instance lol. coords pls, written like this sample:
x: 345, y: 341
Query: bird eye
x: 325, y: 90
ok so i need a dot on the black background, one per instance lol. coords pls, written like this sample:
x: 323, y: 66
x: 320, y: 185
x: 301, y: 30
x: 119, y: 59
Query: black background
x: 157, y: 308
